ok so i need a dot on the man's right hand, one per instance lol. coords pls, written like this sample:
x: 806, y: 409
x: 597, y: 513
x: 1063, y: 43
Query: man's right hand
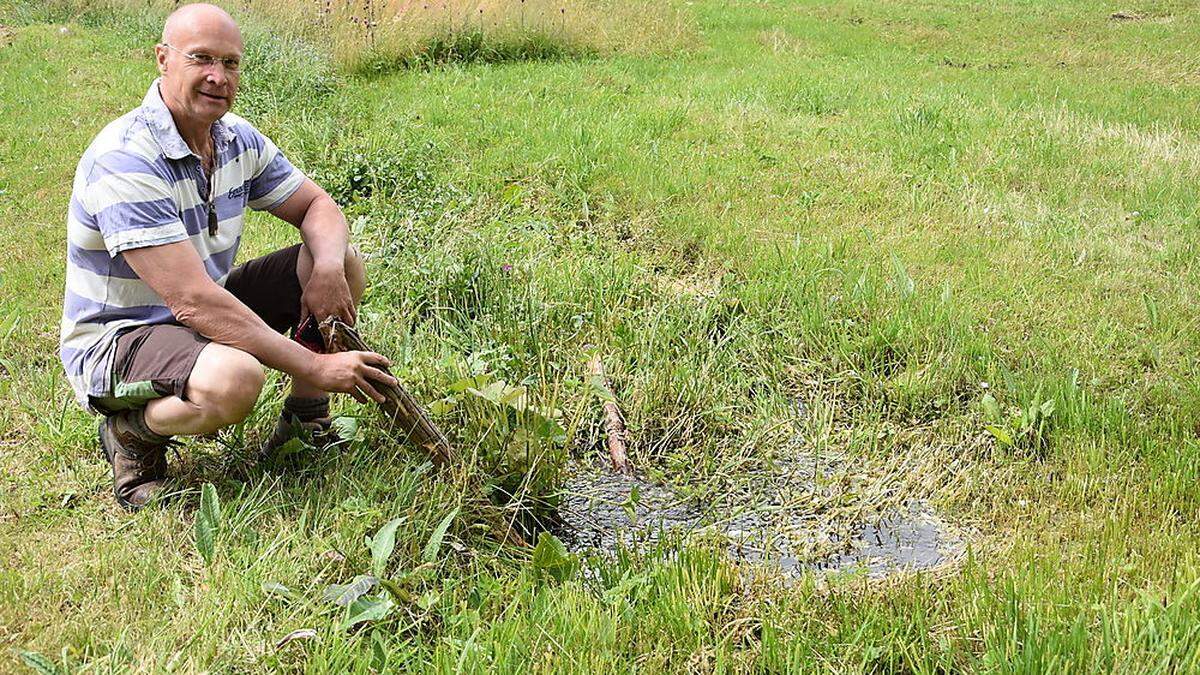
x: 351, y: 373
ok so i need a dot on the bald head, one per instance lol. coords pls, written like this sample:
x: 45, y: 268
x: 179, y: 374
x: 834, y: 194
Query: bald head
x: 199, y: 61
x: 200, y: 18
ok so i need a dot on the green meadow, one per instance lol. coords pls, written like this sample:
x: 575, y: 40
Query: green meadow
x: 962, y: 235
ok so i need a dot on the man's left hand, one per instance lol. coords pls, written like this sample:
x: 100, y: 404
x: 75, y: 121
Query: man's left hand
x: 327, y: 294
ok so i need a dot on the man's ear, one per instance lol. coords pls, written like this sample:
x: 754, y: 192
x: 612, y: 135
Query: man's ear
x: 160, y: 59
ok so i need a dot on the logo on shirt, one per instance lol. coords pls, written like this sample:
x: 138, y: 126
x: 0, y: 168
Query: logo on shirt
x: 239, y: 191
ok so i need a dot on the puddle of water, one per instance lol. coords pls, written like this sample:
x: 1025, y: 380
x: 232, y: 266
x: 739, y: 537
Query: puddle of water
x: 598, y: 511
x: 774, y: 528
x: 913, y: 540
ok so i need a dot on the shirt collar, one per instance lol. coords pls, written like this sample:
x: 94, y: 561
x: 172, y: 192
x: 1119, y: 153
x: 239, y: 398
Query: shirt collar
x: 158, y: 117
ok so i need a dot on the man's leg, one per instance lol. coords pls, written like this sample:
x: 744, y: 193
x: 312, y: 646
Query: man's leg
x: 286, y: 273
x: 221, y: 391
x: 169, y: 381
x: 225, y: 382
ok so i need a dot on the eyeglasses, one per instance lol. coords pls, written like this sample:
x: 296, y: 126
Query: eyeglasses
x: 231, y: 65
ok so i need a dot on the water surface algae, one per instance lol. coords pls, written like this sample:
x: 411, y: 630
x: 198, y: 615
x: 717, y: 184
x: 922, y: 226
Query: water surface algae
x: 770, y: 528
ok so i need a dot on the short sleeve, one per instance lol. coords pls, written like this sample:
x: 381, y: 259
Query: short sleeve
x: 132, y: 203
x: 275, y: 178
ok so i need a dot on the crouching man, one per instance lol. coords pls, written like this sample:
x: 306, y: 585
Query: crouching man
x: 161, y: 334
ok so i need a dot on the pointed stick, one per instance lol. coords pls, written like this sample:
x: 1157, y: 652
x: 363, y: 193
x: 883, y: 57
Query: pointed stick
x: 614, y: 424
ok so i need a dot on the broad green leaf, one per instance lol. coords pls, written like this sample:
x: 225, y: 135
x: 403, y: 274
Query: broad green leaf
x: 515, y: 398
x: 434, y: 545
x: 291, y: 447
x: 599, y: 388
x: 551, y: 558
x: 39, y: 663
x: 208, y: 522
x: 346, y: 427
x: 382, y: 545
x: 493, y: 392
x: 379, y: 653
x: 367, y: 608
x: 276, y: 588
x: 630, y: 504
x: 548, y: 429
x: 442, y: 406
x: 428, y: 600
x: 466, y: 383
x: 344, y: 594
x: 1047, y: 408
x: 991, y: 409
x: 1001, y: 434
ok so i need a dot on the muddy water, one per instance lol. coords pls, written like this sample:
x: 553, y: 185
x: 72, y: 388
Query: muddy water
x: 781, y: 523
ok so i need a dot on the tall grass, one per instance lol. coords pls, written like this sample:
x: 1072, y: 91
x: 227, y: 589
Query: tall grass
x: 374, y: 35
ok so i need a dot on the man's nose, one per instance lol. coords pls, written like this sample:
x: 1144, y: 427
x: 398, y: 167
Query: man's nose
x: 217, y: 76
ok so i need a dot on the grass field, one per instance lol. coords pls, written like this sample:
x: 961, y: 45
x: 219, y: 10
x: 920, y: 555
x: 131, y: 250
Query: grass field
x: 963, y: 234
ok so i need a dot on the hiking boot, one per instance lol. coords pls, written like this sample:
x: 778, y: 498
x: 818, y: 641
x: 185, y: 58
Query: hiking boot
x: 139, y: 468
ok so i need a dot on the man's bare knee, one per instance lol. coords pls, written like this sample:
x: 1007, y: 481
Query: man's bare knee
x: 225, y: 384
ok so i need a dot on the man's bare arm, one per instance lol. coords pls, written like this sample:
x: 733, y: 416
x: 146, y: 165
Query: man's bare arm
x: 176, y: 273
x: 323, y: 228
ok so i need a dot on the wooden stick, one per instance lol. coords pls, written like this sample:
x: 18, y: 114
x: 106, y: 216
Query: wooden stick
x: 614, y: 424
x: 399, y: 405
x: 410, y: 415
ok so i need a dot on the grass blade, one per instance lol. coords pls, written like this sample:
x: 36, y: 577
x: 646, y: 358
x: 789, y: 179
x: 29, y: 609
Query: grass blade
x: 435, y: 540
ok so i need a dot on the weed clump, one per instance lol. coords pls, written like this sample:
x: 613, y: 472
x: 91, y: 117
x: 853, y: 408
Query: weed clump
x: 387, y: 171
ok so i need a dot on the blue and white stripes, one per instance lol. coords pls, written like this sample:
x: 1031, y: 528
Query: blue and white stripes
x: 139, y: 185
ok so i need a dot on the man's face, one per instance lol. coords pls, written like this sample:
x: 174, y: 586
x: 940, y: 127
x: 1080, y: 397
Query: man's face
x: 199, y: 92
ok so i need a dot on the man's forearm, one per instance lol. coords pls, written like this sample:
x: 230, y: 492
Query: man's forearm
x: 325, y: 235
x: 222, y: 318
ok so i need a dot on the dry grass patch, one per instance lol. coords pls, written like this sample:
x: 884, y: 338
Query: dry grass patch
x: 378, y: 34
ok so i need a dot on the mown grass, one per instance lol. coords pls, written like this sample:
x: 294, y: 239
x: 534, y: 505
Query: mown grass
x: 872, y: 207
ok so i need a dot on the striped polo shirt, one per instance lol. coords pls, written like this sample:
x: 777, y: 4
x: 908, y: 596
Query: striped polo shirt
x: 139, y: 185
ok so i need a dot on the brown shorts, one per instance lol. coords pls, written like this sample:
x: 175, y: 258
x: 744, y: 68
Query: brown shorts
x: 156, y: 361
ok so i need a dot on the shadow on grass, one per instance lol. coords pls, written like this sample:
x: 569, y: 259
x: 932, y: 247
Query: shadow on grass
x: 467, y: 48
